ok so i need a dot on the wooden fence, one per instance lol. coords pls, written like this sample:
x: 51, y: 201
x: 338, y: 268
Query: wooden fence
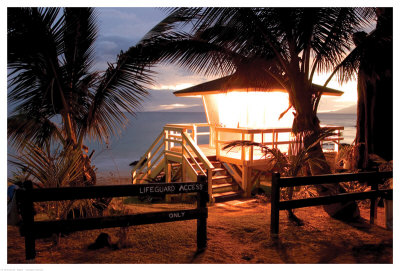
x: 372, y: 179
x: 32, y: 229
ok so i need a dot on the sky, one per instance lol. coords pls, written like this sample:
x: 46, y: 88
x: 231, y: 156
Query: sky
x: 123, y: 27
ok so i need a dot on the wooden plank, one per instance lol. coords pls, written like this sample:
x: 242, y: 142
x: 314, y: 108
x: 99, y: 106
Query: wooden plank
x: 202, y: 133
x: 73, y: 193
x: 27, y: 208
x: 157, y: 168
x: 275, y: 207
x: 243, y: 155
x: 324, y: 200
x: 175, y: 128
x: 202, y: 221
x: 197, y: 151
x: 334, y: 178
x: 235, y: 175
x: 148, y: 151
x: 92, y: 223
x: 173, y: 140
x: 141, y: 168
x: 173, y: 157
x: 251, y: 153
x: 253, y: 131
x: 191, y: 172
x: 230, y: 160
x: 210, y: 184
x: 194, y: 160
x: 246, y: 177
x: 373, y: 206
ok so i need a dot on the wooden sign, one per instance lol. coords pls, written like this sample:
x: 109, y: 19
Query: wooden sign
x: 71, y: 193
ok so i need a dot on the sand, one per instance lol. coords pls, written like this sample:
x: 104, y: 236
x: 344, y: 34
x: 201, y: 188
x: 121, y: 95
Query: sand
x: 238, y: 232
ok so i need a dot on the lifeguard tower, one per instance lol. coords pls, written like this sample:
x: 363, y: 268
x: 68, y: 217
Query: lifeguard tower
x: 235, y: 109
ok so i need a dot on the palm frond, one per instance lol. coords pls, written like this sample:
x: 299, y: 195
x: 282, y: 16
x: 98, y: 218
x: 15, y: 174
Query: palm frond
x: 35, y: 44
x: 332, y: 37
x: 50, y: 168
x: 80, y: 33
x: 121, y: 90
x: 25, y: 127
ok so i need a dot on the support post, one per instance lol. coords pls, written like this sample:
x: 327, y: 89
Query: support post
x: 202, y: 222
x: 217, y: 139
x: 210, y: 183
x: 27, y: 220
x: 275, y: 196
x: 194, y: 133
x: 374, y: 204
x: 246, y: 177
x: 149, y: 164
x: 251, y: 148
x: 183, y: 167
x: 243, y: 153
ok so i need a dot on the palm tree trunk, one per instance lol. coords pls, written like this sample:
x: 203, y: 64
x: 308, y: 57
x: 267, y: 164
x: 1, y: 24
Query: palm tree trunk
x: 307, y: 123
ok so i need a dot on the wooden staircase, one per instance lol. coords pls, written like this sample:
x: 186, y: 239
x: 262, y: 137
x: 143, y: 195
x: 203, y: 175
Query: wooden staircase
x: 224, y: 188
x: 174, y: 157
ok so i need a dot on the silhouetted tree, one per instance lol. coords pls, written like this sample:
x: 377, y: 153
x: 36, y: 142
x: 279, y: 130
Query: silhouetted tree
x: 56, y: 93
x: 264, y: 45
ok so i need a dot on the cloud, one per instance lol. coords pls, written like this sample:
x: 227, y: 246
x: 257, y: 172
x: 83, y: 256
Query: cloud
x: 108, y: 48
x: 129, y: 22
x: 172, y: 76
x: 175, y: 106
x: 160, y: 100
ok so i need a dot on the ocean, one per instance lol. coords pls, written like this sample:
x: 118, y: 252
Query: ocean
x: 114, y: 158
x: 144, y: 129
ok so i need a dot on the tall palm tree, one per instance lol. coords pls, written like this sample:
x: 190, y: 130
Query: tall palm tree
x: 284, y: 45
x: 372, y: 60
x: 56, y: 93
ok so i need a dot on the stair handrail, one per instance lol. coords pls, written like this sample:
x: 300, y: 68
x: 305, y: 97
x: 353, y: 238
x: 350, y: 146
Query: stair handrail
x: 197, y: 150
x: 141, y: 163
x: 194, y: 160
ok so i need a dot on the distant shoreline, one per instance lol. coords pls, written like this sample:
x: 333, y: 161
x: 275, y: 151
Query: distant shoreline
x: 173, y: 111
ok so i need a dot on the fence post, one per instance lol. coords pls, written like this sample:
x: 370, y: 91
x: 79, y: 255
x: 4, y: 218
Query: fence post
x: 275, y: 196
x: 374, y: 204
x: 27, y: 220
x: 202, y: 222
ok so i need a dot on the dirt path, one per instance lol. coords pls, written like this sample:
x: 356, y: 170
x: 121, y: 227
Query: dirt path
x: 238, y: 232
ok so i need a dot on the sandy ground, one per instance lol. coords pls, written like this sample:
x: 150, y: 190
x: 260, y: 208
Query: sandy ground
x: 238, y: 232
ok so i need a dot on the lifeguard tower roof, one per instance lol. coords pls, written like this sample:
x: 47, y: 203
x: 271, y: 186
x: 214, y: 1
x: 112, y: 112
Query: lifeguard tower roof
x: 238, y: 83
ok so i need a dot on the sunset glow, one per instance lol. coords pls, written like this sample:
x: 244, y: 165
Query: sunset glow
x: 250, y: 109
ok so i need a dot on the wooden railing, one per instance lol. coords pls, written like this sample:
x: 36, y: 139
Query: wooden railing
x: 268, y: 137
x: 372, y: 179
x: 32, y: 229
x: 193, y: 128
x: 143, y: 169
x: 174, y: 144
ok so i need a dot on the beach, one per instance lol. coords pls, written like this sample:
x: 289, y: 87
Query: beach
x: 238, y: 232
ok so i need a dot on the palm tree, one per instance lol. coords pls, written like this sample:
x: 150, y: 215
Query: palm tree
x: 372, y: 60
x: 57, y: 95
x: 284, y: 45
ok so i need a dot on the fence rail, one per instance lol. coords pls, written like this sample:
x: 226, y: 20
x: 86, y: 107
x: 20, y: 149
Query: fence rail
x: 32, y: 229
x: 372, y: 179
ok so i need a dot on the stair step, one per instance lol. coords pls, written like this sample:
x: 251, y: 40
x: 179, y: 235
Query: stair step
x: 221, y: 177
x: 225, y: 196
x: 214, y: 163
x: 218, y: 169
x: 223, y: 185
